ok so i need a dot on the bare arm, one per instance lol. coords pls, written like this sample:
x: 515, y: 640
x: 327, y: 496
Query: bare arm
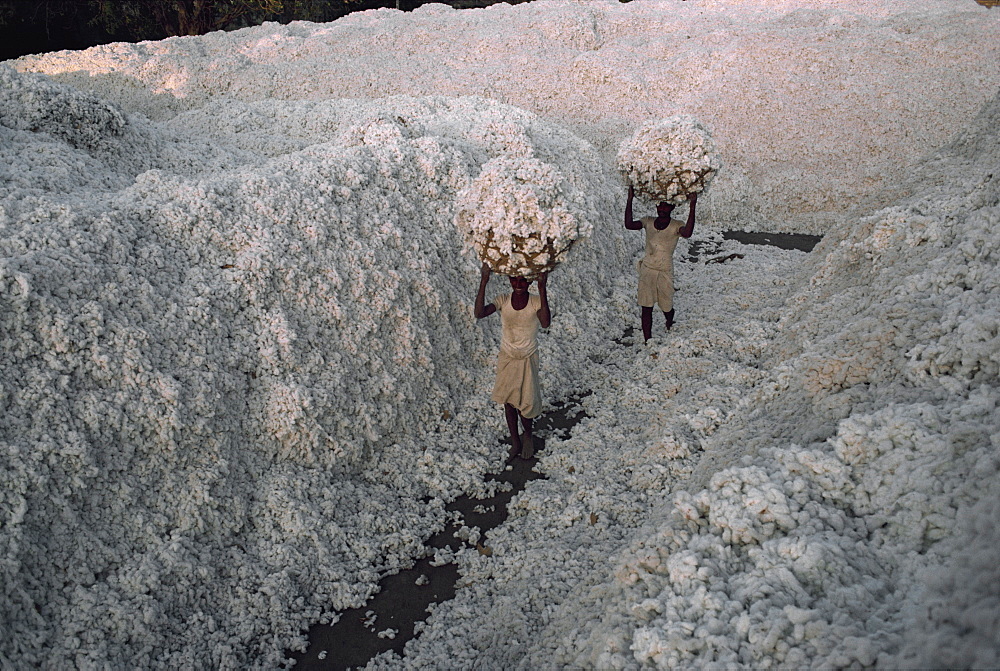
x: 544, y: 316
x: 630, y: 223
x: 688, y: 229
x: 483, y: 310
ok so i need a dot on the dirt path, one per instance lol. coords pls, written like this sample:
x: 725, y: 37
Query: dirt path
x: 403, y: 598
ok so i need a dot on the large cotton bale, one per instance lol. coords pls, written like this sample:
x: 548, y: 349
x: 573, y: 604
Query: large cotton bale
x: 669, y: 159
x: 521, y: 216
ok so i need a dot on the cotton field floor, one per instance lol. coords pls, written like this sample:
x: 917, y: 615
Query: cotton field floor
x: 401, y: 602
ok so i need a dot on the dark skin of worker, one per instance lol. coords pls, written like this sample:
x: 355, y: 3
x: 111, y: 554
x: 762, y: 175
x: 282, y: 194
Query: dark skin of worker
x: 663, y: 212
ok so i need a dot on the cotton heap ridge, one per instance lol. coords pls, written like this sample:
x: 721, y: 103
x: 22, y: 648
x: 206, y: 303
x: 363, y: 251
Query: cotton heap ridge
x: 521, y: 216
x: 670, y: 159
x: 760, y: 73
x: 214, y: 334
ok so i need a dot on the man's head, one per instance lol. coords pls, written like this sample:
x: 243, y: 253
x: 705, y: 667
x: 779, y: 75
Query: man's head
x: 664, y: 209
x: 519, y: 285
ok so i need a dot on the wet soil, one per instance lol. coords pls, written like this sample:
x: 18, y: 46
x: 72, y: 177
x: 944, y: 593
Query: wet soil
x: 703, y: 248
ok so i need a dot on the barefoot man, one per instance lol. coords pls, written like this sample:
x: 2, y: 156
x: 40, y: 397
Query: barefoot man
x: 656, y: 269
x: 517, y: 385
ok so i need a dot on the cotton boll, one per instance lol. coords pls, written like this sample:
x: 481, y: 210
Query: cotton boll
x: 745, y: 508
x: 669, y: 159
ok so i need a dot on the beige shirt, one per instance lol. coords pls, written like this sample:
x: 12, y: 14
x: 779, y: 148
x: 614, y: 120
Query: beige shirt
x: 519, y: 328
x: 660, y: 245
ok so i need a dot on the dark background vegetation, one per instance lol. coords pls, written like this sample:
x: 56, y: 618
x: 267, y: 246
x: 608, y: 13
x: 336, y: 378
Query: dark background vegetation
x: 39, y: 26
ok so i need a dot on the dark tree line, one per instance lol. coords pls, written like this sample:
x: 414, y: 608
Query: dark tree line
x: 39, y: 26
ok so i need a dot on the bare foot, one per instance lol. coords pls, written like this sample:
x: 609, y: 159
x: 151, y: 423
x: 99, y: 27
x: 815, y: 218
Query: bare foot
x: 527, y: 448
x: 515, y: 447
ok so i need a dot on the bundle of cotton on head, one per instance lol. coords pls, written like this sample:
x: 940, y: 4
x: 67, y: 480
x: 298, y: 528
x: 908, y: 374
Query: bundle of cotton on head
x: 521, y: 216
x: 669, y: 159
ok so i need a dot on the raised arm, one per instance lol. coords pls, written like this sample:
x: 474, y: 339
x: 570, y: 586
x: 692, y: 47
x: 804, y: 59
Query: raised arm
x: 688, y: 229
x: 483, y: 310
x: 630, y: 223
x: 544, y: 316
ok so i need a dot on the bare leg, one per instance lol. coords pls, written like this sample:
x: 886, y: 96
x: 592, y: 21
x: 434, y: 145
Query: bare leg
x: 647, y: 323
x: 669, y: 316
x: 527, y: 442
x: 515, y: 442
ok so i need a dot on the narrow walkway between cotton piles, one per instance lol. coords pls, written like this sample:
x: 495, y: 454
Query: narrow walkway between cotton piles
x: 406, y: 598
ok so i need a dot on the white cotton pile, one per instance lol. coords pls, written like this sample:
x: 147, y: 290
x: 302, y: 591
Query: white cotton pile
x: 80, y: 142
x: 237, y: 350
x: 239, y: 371
x: 80, y: 119
x: 669, y: 159
x: 521, y: 216
x: 817, y: 106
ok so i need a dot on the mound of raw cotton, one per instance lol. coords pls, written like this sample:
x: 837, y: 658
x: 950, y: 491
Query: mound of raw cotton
x: 232, y: 368
x: 521, y: 216
x: 669, y: 159
x: 793, y: 161
x: 239, y: 370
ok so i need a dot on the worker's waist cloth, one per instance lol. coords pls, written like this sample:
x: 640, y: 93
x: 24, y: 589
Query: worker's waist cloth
x: 657, y: 263
x: 518, y: 352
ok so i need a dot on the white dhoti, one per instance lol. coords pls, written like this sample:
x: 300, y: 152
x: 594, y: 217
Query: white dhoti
x: 517, y: 364
x: 656, y: 287
x: 656, y: 269
x: 518, y: 384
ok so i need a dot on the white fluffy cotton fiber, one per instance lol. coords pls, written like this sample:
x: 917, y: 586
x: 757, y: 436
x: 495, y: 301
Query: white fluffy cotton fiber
x: 521, y: 216
x: 669, y: 159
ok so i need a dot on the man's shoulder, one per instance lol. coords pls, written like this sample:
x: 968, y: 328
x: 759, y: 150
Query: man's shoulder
x: 676, y: 225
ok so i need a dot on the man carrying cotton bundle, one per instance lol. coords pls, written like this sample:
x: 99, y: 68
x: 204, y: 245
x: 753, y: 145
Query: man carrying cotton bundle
x: 656, y: 269
x: 517, y: 385
x: 521, y: 216
x: 670, y: 160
